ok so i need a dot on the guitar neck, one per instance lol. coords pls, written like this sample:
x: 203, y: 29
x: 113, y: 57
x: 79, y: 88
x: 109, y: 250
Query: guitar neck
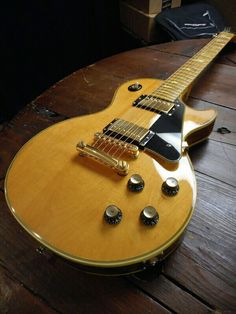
x: 179, y: 82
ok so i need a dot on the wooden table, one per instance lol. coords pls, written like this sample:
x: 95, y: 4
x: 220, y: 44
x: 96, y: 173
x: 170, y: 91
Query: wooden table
x: 200, y: 276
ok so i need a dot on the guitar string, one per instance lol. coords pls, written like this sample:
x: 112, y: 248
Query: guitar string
x: 125, y: 122
x: 181, y: 70
x: 202, y: 52
x: 206, y: 54
x: 114, y: 135
x: 135, y: 127
x: 191, y: 61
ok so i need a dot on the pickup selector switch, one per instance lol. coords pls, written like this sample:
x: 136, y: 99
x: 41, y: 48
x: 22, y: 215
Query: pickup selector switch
x: 170, y: 187
x: 135, y: 87
x: 149, y: 216
x: 135, y: 183
x: 112, y: 215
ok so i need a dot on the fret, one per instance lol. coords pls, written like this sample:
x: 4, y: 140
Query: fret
x: 166, y: 97
x: 190, y: 71
x: 221, y: 41
x: 189, y: 65
x: 164, y: 94
x: 187, y: 75
x: 187, y: 69
x: 190, y: 68
x: 170, y: 88
x: 174, y: 90
x: 218, y: 44
x: 209, y: 56
x: 225, y: 35
x: 176, y: 85
x: 184, y: 79
x: 170, y: 83
x: 198, y: 60
x: 213, y: 50
x: 180, y: 80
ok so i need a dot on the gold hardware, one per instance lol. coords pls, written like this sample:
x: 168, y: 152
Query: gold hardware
x: 157, y: 104
x: 131, y: 149
x: 128, y: 129
x: 120, y: 166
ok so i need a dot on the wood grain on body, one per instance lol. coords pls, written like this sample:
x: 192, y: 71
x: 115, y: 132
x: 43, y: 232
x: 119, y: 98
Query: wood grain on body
x: 60, y: 197
x: 202, y: 269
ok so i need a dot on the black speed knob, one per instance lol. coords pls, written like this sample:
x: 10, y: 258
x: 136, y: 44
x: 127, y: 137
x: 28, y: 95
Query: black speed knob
x: 112, y: 215
x: 170, y: 187
x: 135, y: 183
x: 149, y: 216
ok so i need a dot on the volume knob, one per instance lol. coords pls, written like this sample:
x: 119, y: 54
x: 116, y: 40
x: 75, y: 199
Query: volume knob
x: 112, y: 215
x: 170, y: 187
x: 136, y: 183
x: 149, y: 216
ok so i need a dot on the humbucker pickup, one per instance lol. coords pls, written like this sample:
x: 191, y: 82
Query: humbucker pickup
x: 164, y: 137
x: 153, y: 103
x: 126, y: 131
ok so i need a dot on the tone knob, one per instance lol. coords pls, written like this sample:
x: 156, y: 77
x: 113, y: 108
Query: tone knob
x: 135, y: 183
x: 149, y: 216
x: 170, y: 187
x: 112, y: 215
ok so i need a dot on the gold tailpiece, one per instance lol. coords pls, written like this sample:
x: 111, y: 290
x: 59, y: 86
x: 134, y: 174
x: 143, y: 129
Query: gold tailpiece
x: 120, y: 166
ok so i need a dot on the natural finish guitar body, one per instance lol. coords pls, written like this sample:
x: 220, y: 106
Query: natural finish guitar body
x: 59, y: 195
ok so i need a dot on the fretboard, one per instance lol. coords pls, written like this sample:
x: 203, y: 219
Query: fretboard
x: 180, y: 80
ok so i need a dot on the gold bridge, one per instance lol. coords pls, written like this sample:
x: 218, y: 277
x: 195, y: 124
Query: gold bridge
x: 120, y: 166
x: 117, y: 138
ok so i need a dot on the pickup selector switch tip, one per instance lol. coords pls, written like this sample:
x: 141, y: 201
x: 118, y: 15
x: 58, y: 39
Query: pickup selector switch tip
x: 135, y: 87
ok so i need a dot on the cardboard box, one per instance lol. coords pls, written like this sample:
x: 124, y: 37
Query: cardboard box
x: 153, y: 6
x: 137, y: 22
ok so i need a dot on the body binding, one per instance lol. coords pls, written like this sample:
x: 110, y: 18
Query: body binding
x: 59, y: 197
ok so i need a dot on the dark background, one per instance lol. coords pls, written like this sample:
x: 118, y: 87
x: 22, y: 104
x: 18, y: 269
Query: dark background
x: 43, y: 41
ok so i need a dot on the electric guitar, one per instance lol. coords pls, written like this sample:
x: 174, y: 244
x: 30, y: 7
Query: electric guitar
x: 114, y: 191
